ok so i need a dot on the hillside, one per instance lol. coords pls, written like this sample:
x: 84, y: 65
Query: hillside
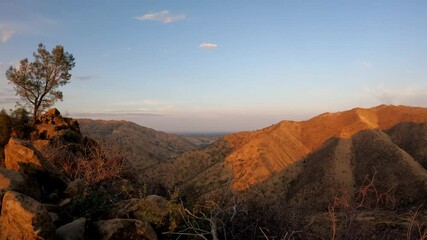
x: 309, y: 162
x: 142, y: 147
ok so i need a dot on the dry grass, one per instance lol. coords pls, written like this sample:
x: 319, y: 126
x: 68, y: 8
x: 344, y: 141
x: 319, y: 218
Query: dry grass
x: 92, y: 166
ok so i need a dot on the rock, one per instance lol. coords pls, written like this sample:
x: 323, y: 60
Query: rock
x: 76, y: 188
x: 152, y: 208
x: 123, y: 186
x: 50, y: 125
x: 24, y: 218
x: 53, y: 197
x: 22, y: 156
x: 18, y: 152
x: 65, y: 202
x: 56, y: 135
x: 15, y: 181
x: 54, y: 217
x: 74, y: 230
x: 125, y: 229
x: 51, y: 207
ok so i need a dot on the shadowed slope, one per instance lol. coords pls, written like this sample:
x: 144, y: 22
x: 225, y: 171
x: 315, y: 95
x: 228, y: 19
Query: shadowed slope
x: 342, y: 165
x: 257, y: 156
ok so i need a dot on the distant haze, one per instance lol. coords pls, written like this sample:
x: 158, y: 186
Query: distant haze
x: 193, y: 123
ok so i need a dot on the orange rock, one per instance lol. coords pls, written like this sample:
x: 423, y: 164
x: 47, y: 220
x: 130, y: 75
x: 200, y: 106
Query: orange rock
x: 23, y: 218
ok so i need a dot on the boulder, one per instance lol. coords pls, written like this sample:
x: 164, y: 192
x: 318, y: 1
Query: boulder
x: 153, y: 209
x: 15, y: 181
x: 24, y: 218
x: 54, y: 217
x: 18, y: 152
x: 74, y: 230
x: 21, y: 156
x: 76, y: 188
x: 125, y: 229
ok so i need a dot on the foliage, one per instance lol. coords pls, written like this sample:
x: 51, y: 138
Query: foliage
x: 14, y: 124
x: 91, y: 205
x: 5, y: 128
x: 21, y: 124
x: 37, y: 82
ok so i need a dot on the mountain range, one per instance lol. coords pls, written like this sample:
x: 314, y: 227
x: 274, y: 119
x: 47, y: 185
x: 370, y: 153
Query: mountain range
x: 361, y: 167
x: 308, y: 163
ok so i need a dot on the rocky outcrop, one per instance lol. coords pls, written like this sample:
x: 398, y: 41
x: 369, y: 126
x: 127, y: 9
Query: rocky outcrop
x: 24, y: 218
x: 15, y: 181
x: 59, y: 138
x: 52, y: 125
x: 19, y: 152
x: 130, y: 229
x: 21, y: 156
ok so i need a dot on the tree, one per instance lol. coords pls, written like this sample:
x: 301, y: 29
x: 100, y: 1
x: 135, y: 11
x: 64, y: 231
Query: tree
x: 37, y: 82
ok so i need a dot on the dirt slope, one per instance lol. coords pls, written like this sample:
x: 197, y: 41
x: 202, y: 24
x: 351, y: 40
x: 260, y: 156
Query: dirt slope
x: 309, y: 162
x: 141, y: 146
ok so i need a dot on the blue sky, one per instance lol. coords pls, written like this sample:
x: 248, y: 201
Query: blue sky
x: 195, y: 65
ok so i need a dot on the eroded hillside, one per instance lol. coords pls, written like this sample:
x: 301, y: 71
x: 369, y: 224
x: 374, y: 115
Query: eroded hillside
x: 311, y: 160
x: 140, y: 146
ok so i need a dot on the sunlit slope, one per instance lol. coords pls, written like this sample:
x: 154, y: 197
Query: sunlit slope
x: 310, y: 162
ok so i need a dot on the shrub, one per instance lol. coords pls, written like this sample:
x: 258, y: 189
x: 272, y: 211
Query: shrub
x: 21, y: 123
x: 5, y: 128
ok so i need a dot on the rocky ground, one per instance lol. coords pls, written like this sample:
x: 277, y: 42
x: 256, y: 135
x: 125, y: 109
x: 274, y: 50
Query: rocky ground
x: 45, y: 196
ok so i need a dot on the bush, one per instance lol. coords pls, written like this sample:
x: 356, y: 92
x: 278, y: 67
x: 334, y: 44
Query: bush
x: 21, y: 123
x: 5, y: 128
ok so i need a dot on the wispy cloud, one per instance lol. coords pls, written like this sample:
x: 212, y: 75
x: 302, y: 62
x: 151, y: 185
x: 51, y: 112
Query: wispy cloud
x: 147, y: 106
x: 84, y: 78
x: 114, y: 114
x: 399, y: 95
x: 154, y: 102
x: 7, y: 96
x: 6, y: 33
x: 208, y: 45
x: 164, y: 16
x: 366, y: 64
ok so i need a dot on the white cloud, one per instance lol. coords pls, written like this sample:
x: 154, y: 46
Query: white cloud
x: 163, y: 16
x: 208, y: 45
x: 366, y: 64
x: 147, y: 106
x: 409, y: 95
x: 114, y: 113
x: 153, y: 102
x: 6, y: 33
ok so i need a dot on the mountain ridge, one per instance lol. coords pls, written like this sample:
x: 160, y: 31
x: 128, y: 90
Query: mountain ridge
x: 270, y: 164
x: 141, y: 146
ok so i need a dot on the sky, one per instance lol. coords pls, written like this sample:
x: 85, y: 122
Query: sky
x: 223, y: 65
